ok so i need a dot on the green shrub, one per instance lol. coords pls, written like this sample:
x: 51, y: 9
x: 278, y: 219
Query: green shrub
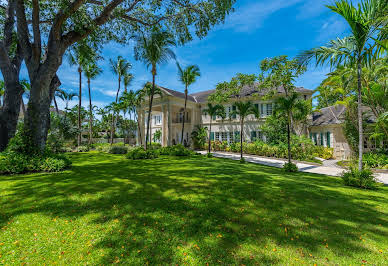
x: 290, y: 168
x: 323, y: 152
x: 375, y: 160
x: 118, y: 149
x: 154, y: 146
x: 16, y: 163
x: 83, y: 148
x: 176, y: 150
x: 362, y: 179
x: 242, y: 160
x: 209, y: 155
x: 139, y: 154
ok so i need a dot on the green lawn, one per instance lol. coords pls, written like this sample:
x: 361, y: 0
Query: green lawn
x: 188, y: 211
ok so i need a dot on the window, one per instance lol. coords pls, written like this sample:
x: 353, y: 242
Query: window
x: 157, y: 119
x: 230, y: 137
x: 315, y: 138
x: 269, y: 109
x: 260, y: 135
x: 261, y: 110
x: 305, y: 97
x: 224, y: 136
x: 234, y: 109
x: 253, y: 135
x: 237, y: 136
x: 217, y: 135
x: 322, y: 140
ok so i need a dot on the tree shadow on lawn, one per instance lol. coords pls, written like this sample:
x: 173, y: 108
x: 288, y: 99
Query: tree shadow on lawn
x: 201, y: 210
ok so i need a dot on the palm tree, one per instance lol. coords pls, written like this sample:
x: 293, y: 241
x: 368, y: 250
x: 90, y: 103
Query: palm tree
x: 91, y: 72
x: 80, y: 56
x: 294, y: 109
x: 66, y: 97
x: 154, y: 49
x: 120, y: 68
x: 127, y: 101
x: 213, y: 111
x: 139, y: 98
x: 187, y: 76
x: 243, y: 109
x: 366, y: 22
x: 128, y: 77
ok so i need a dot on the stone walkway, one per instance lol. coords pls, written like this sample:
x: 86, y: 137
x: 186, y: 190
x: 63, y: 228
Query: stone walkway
x: 328, y: 167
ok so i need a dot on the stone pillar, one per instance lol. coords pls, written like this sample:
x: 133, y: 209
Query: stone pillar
x: 165, y: 125
x: 142, y: 125
x: 169, y: 121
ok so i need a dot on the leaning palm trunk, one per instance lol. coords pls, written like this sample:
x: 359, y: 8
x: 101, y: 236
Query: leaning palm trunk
x: 90, y: 115
x: 114, y: 119
x: 56, y: 105
x: 184, y: 116
x: 150, y: 107
x: 360, y: 127
x: 79, y: 105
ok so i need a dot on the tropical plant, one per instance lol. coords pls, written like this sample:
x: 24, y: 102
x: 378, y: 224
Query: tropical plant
x: 157, y: 136
x: 366, y: 22
x: 80, y: 55
x: 120, y: 67
x: 154, y: 49
x: 128, y: 77
x: 66, y: 97
x: 199, y: 136
x: 243, y: 109
x: 213, y: 111
x: 91, y: 72
x: 187, y: 77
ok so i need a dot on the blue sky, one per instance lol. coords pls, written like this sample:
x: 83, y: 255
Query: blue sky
x: 256, y: 30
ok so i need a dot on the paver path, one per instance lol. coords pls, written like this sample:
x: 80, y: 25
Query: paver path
x: 327, y: 169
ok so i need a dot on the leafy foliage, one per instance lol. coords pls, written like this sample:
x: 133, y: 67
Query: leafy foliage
x: 118, y: 149
x: 199, y: 136
x: 140, y: 153
x: 356, y: 178
x: 290, y: 168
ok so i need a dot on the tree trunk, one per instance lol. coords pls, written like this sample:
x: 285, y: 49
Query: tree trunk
x: 114, y: 114
x: 360, y: 127
x: 210, y: 134
x: 23, y: 106
x: 184, y: 116
x: 79, y: 106
x: 37, y: 120
x: 56, y: 105
x: 90, y: 115
x: 289, y: 137
x: 241, y: 137
x: 139, y: 129
x: 150, y: 106
x: 9, y: 113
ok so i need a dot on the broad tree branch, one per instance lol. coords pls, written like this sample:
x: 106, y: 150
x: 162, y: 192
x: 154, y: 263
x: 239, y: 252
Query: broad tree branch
x: 5, y: 63
x: 9, y: 24
x: 36, y: 29
x: 22, y: 29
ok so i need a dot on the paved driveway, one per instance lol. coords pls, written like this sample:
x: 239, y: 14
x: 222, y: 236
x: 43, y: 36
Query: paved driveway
x: 326, y: 169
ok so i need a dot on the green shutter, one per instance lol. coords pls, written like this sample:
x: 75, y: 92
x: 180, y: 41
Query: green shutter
x: 311, y: 136
x: 322, y: 141
x: 257, y: 106
x: 261, y: 109
x: 253, y: 135
x: 315, y: 138
x: 211, y: 135
x: 234, y: 109
x: 237, y: 136
x: 328, y: 139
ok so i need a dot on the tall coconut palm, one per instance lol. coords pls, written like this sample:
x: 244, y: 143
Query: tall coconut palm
x: 120, y: 67
x: 80, y: 55
x: 294, y: 109
x: 213, y: 111
x: 127, y: 101
x: 154, y: 49
x: 187, y: 76
x: 366, y: 22
x: 91, y: 72
x: 243, y: 109
x: 128, y: 77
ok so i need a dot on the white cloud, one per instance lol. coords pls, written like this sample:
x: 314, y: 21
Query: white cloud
x: 251, y: 16
x: 332, y: 28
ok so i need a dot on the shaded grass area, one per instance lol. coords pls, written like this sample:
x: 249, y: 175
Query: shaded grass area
x: 188, y: 211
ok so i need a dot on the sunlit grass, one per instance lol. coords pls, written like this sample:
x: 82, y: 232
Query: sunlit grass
x: 107, y: 209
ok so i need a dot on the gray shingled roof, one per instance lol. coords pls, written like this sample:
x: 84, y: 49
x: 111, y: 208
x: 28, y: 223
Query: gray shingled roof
x: 177, y: 94
x: 335, y: 115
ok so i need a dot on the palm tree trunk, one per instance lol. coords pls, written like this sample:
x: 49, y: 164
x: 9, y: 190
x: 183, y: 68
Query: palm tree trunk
x: 139, y: 129
x: 112, y: 133
x: 79, y: 105
x: 184, y: 116
x: 289, y: 138
x: 56, y: 105
x: 241, y: 137
x: 360, y: 127
x: 210, y: 133
x: 90, y: 115
x: 150, y: 107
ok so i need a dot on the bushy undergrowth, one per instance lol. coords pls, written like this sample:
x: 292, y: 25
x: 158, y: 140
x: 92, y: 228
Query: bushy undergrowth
x: 21, y: 157
x: 356, y: 178
x: 376, y: 160
x: 140, y: 153
x: 118, y: 149
x: 301, y: 149
x: 176, y: 150
x: 290, y: 168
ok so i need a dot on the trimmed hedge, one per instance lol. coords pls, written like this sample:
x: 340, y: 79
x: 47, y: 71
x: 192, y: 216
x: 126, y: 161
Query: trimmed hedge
x: 118, y: 149
x: 139, y: 154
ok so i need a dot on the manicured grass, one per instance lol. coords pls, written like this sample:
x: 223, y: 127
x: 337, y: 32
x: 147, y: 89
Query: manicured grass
x: 188, y: 211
